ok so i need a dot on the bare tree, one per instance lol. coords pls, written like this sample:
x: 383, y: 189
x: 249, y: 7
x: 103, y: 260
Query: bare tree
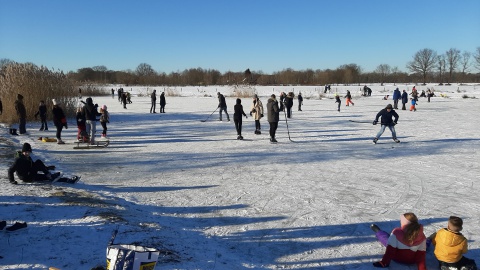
x: 441, y: 67
x: 465, y: 62
x: 384, y: 70
x: 476, y: 56
x: 452, y: 57
x: 145, y: 69
x: 423, y: 62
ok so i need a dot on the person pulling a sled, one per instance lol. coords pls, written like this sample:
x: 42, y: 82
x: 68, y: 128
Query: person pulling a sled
x: 387, y: 120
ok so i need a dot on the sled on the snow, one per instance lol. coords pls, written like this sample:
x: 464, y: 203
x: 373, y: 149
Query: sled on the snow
x: 88, y: 145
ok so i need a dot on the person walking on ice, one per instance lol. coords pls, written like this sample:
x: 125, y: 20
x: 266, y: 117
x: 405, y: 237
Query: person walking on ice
x: 237, y: 118
x: 387, y: 120
x: 222, y: 105
x: 257, y: 112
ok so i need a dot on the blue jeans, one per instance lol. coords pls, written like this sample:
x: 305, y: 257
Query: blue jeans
x: 382, y: 129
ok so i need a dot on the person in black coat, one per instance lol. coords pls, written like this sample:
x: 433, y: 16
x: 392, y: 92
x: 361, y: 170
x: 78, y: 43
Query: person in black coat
x: 387, y: 120
x: 237, y: 117
x: 59, y: 120
x: 163, y: 102
x: 153, y: 98
x: 90, y: 112
x: 1, y: 106
x: 300, y: 101
x: 289, y: 104
x: 26, y: 169
x: 404, y: 99
x: 273, y: 116
x: 21, y: 113
x: 223, y: 106
x: 42, y: 111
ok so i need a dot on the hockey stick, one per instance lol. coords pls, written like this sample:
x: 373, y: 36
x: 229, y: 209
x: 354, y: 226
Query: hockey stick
x: 210, y: 115
x: 288, y: 131
x: 364, y: 122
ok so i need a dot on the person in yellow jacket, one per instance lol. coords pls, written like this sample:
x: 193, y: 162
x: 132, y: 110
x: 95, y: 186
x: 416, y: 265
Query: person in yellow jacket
x: 450, y: 245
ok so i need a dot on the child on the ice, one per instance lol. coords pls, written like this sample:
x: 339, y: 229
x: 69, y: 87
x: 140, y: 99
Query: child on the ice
x: 348, y: 99
x: 104, y: 119
x: 450, y: 245
x: 237, y: 118
x: 413, y: 104
x: 337, y: 100
x: 81, y: 127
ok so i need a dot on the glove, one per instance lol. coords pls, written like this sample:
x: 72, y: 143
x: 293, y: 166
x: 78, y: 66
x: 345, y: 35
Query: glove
x: 66, y: 126
x: 375, y: 122
x: 380, y: 265
x: 250, y: 113
x: 246, y: 117
x: 394, y: 123
x: 261, y: 115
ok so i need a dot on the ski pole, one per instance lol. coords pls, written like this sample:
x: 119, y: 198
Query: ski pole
x: 210, y: 115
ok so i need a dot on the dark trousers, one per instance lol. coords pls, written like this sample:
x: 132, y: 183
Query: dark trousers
x: 153, y: 106
x: 38, y: 166
x: 162, y: 108
x: 59, y: 131
x: 22, y: 126
x: 238, y: 126
x: 104, y: 126
x: 289, y: 111
x: 44, y: 123
x: 257, y: 125
x: 273, y: 128
x: 395, y: 104
x: 339, y: 105
x: 403, y: 106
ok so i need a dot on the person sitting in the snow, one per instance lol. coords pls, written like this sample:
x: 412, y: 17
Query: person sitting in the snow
x: 450, y: 245
x: 387, y: 114
x: 406, y: 244
x: 27, y: 170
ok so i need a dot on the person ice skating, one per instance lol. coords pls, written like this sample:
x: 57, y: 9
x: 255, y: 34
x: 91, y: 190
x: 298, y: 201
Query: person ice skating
x: 273, y: 116
x: 82, y: 135
x: 28, y: 170
x: 414, y: 94
x: 42, y: 112
x: 396, y: 96
x: 386, y: 114
x: 289, y: 103
x: 237, y: 118
x: 257, y: 112
x: 223, y: 106
x: 337, y: 100
x: 21, y: 113
x: 406, y: 244
x: 129, y: 98
x: 124, y: 99
x: 104, y: 119
x: 300, y: 101
x: 429, y: 94
x: 163, y: 102
x: 59, y: 120
x: 153, y: 98
x: 348, y: 99
x: 413, y: 104
x: 404, y: 100
x: 450, y: 245
x: 91, y: 113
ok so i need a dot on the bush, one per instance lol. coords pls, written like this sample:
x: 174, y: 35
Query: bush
x: 34, y: 84
x: 243, y: 91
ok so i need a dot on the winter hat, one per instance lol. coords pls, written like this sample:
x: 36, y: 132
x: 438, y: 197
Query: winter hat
x: 104, y: 107
x: 273, y: 95
x: 218, y: 93
x: 389, y: 106
x: 54, y: 102
x: 26, y: 147
x: 239, y: 101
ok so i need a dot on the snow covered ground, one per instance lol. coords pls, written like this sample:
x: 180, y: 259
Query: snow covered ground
x: 209, y: 201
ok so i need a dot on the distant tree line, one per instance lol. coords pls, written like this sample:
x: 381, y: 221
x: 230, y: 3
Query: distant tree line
x: 453, y: 66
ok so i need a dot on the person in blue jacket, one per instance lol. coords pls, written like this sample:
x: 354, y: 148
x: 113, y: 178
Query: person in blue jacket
x: 404, y: 100
x: 396, y: 96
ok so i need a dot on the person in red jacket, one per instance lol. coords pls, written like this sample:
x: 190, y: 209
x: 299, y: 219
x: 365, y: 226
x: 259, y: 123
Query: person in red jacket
x: 406, y: 244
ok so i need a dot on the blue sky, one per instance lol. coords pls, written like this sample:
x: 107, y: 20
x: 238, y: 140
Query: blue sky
x: 263, y: 35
